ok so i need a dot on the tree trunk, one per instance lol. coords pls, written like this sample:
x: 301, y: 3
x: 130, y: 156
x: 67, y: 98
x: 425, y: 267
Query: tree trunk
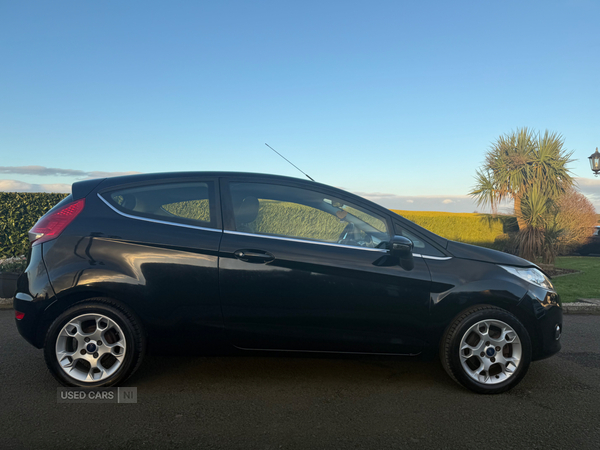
x: 520, y: 221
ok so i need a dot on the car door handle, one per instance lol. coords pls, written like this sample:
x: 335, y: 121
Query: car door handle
x: 253, y: 256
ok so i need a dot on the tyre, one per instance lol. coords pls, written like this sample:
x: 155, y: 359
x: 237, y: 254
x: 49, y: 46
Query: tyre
x: 486, y: 349
x: 98, y: 343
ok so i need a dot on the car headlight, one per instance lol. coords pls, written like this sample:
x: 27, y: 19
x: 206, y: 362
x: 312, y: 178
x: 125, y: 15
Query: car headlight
x: 530, y: 274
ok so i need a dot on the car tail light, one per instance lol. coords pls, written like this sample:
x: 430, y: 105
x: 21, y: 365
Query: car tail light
x: 51, y: 225
x: 19, y: 315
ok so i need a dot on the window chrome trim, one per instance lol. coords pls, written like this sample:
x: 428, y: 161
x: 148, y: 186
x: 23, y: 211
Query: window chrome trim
x: 437, y: 258
x: 331, y: 244
x: 304, y: 241
x: 164, y: 222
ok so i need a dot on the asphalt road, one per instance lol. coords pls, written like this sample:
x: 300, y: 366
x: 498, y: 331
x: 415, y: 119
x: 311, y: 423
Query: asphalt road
x: 308, y: 402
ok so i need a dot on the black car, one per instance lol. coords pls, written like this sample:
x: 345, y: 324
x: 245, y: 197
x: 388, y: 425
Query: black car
x: 591, y: 244
x: 270, y: 263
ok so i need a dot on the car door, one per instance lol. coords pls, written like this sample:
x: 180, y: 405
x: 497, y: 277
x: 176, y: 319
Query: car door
x: 164, y: 239
x: 299, y: 269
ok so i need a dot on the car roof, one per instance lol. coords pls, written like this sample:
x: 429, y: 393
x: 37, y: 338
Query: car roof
x: 160, y: 176
x: 83, y: 188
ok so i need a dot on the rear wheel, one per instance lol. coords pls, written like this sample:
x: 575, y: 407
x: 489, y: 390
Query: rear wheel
x: 486, y: 349
x: 94, y: 344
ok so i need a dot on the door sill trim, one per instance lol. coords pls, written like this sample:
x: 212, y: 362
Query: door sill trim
x: 333, y: 352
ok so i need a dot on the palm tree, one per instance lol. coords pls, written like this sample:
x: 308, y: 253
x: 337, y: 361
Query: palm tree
x: 538, y: 239
x: 518, y: 162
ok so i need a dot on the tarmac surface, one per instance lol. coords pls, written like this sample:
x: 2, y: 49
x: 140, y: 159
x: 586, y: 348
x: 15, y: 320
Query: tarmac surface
x: 256, y: 401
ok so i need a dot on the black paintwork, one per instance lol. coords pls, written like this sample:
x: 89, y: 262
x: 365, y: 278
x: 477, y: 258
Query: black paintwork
x: 475, y: 253
x: 318, y: 297
x: 256, y: 292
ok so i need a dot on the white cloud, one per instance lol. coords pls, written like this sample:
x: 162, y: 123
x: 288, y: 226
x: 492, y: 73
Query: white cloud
x: 588, y: 182
x: 97, y: 174
x: 53, y: 171
x: 454, y: 203
x: 20, y: 186
x: 591, y: 189
x: 465, y: 203
x: 41, y: 170
x: 33, y: 171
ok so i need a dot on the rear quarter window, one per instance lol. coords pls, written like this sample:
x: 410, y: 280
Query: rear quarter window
x: 190, y: 203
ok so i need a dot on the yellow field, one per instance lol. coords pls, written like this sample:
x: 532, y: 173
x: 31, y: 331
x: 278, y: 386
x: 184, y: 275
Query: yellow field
x: 478, y: 229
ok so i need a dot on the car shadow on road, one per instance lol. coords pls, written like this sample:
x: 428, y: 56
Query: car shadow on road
x: 269, y: 369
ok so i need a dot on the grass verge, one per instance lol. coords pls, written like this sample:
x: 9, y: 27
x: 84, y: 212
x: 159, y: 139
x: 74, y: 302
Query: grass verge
x: 579, y: 285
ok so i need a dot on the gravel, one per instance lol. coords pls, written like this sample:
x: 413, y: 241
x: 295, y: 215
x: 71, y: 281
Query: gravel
x: 12, y: 259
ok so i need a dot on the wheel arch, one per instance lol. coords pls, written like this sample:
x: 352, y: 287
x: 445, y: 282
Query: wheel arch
x: 444, y: 315
x: 67, y: 300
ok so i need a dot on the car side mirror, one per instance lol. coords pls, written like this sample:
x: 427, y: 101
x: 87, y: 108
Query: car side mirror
x: 401, y: 247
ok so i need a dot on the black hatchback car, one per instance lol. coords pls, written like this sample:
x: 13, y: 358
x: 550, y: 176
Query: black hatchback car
x: 264, y: 262
x: 591, y: 244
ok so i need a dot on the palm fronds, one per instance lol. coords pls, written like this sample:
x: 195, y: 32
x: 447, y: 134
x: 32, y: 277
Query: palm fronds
x: 531, y: 169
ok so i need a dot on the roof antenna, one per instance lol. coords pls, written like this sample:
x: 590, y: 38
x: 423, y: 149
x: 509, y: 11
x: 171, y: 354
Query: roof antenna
x: 307, y: 176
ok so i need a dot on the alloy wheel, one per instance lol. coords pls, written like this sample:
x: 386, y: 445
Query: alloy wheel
x: 490, y: 351
x: 90, y: 347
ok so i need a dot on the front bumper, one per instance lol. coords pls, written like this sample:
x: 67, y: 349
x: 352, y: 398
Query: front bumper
x: 545, y: 317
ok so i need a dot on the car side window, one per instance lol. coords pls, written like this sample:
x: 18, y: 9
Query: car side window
x: 419, y: 244
x: 291, y: 212
x: 190, y: 203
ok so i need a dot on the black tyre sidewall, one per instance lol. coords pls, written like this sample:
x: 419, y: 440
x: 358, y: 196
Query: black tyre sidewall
x: 133, y: 340
x: 453, y: 357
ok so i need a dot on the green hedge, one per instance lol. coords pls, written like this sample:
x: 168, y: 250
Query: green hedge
x: 485, y: 230
x: 18, y: 213
x: 301, y: 221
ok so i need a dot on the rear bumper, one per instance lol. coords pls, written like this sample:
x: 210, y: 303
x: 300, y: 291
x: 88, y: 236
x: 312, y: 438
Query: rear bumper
x: 34, y: 294
x: 28, y: 325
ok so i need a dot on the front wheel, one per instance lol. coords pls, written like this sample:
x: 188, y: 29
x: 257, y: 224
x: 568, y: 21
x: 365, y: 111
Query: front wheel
x: 94, y: 344
x: 486, y: 349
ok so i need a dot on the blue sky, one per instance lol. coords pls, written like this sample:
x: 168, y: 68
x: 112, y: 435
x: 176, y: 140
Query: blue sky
x: 396, y: 100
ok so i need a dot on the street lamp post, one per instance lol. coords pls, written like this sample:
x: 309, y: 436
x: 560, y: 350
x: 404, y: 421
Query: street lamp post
x: 595, y: 162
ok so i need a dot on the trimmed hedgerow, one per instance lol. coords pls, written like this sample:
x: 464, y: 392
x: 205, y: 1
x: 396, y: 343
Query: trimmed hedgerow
x: 18, y: 213
x: 485, y: 230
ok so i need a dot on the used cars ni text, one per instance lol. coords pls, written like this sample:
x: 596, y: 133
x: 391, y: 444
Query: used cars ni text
x: 269, y: 263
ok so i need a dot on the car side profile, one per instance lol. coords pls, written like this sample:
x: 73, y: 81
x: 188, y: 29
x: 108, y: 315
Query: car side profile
x: 269, y: 263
